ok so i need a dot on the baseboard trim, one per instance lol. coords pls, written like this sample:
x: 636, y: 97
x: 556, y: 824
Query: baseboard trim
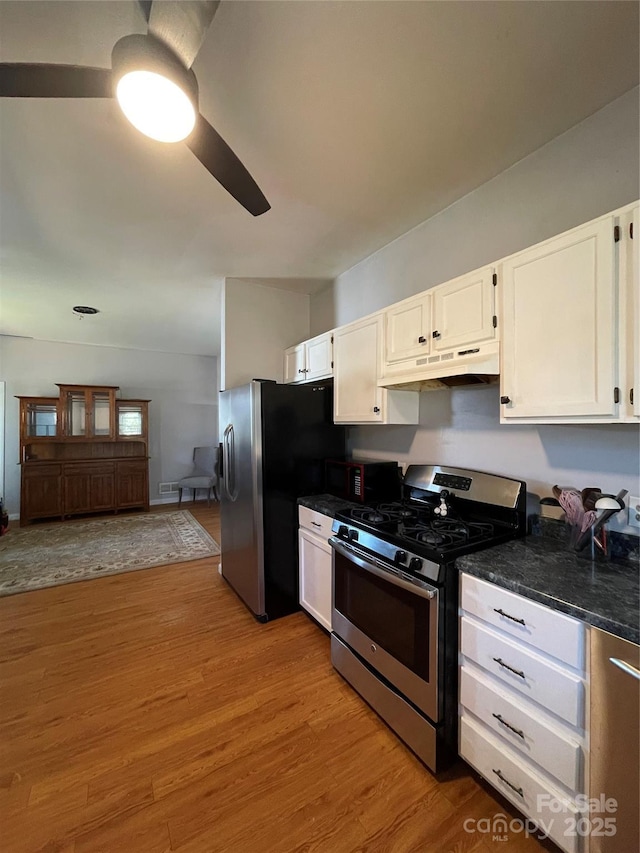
x: 15, y: 516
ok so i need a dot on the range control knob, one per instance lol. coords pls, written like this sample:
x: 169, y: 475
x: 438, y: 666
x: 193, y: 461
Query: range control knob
x: 416, y: 564
x: 400, y: 557
x: 343, y: 532
x: 353, y: 535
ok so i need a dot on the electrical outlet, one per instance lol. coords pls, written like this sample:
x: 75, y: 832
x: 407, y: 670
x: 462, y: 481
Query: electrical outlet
x: 633, y: 512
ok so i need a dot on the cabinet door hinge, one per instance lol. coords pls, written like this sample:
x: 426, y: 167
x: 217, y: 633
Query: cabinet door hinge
x: 331, y: 338
x: 495, y: 322
x: 331, y: 365
x: 495, y: 279
x: 631, y: 230
x: 616, y: 234
x: 616, y: 395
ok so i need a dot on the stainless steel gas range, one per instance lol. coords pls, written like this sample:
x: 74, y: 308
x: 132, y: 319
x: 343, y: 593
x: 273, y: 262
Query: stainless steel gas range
x: 395, y: 596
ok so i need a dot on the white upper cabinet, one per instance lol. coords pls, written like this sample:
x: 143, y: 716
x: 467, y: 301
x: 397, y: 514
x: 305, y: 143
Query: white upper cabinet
x: 463, y: 310
x: 319, y: 357
x: 449, y: 330
x: 358, y: 352
x: 629, y: 325
x: 294, y: 364
x: 408, y: 328
x: 310, y: 360
x: 559, y: 336
x: 633, y: 231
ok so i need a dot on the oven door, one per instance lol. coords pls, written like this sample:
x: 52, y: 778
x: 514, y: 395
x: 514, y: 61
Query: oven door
x: 389, y: 619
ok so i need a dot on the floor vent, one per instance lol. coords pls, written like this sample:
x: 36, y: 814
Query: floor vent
x: 167, y: 488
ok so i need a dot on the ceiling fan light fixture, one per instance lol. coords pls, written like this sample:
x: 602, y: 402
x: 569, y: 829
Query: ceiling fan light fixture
x: 156, y: 106
x: 157, y: 94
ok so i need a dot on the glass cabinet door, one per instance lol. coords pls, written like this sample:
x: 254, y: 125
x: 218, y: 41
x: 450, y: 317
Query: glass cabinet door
x: 76, y: 413
x: 41, y: 419
x: 100, y: 411
x: 131, y: 419
x: 88, y: 412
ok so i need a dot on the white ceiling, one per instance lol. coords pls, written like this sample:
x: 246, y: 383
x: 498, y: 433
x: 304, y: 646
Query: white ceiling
x: 358, y: 120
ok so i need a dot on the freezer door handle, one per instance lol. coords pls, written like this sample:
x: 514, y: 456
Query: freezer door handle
x: 626, y: 667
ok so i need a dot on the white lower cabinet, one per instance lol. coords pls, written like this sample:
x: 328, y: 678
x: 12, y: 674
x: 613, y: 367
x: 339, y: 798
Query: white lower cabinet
x: 555, y: 813
x: 314, y: 561
x: 524, y: 671
x: 524, y: 727
x: 523, y: 706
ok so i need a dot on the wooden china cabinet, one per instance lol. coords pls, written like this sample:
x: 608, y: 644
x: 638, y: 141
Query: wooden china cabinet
x: 81, y: 452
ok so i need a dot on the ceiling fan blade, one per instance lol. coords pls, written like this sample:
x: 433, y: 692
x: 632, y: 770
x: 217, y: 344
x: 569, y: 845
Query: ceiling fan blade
x: 26, y: 80
x: 216, y: 156
x: 182, y: 25
x: 145, y: 8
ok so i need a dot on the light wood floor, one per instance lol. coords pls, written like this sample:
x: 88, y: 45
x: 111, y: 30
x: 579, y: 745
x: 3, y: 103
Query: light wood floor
x: 149, y: 712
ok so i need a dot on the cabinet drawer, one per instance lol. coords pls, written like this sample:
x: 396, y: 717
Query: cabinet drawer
x: 523, y: 728
x: 317, y: 522
x: 523, y: 670
x: 132, y: 467
x: 520, y: 783
x: 545, y: 629
x: 90, y: 468
x: 41, y: 470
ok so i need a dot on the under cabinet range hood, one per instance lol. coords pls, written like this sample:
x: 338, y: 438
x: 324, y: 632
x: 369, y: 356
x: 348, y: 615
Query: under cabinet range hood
x: 473, y: 365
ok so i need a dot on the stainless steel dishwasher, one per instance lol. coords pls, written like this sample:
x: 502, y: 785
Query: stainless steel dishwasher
x: 615, y: 739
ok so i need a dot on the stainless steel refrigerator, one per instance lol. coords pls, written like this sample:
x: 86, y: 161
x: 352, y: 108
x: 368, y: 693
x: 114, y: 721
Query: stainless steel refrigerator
x: 274, y: 442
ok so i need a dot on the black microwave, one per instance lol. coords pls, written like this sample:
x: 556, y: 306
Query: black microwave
x: 362, y: 480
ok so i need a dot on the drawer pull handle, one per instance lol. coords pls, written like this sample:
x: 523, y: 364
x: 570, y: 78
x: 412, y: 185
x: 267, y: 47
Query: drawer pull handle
x: 510, y: 668
x: 315, y: 524
x: 518, y: 791
x: 506, y: 615
x: 509, y: 726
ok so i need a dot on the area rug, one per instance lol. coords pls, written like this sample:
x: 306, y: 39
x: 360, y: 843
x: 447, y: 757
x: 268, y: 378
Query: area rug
x: 40, y: 556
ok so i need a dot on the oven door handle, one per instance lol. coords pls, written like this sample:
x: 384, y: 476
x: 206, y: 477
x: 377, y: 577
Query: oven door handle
x: 360, y: 558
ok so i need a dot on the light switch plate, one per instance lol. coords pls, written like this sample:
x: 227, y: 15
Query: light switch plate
x: 633, y: 512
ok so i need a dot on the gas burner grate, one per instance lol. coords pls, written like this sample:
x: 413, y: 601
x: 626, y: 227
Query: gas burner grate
x: 428, y: 535
x: 398, y: 512
x: 447, y: 532
x: 370, y: 515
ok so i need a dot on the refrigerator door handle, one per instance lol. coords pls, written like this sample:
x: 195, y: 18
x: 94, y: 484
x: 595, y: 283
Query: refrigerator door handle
x: 229, y: 478
x: 233, y: 491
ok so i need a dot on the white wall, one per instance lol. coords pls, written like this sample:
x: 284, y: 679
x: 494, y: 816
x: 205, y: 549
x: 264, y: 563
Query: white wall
x: 591, y: 169
x: 461, y: 427
x: 183, y: 413
x: 258, y: 324
x: 585, y: 172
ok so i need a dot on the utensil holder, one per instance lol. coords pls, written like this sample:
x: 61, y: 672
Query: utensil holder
x: 584, y: 544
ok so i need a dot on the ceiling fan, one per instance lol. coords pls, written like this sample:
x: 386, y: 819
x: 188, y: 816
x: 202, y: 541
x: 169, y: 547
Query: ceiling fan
x: 152, y: 80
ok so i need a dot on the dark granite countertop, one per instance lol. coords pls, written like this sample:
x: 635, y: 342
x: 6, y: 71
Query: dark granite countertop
x: 327, y: 504
x: 602, y: 593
